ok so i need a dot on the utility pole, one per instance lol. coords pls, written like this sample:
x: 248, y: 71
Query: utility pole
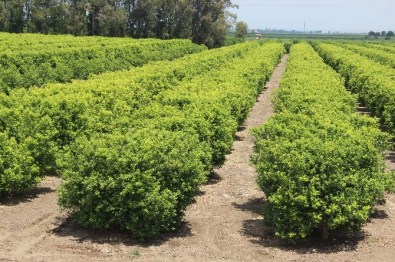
x: 304, y: 27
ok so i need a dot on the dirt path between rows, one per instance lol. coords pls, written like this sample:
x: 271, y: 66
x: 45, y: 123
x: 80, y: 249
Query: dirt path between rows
x: 223, y: 224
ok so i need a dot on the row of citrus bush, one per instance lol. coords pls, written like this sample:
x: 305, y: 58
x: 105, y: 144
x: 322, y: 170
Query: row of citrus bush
x: 387, y: 47
x: 373, y: 53
x: 319, y: 162
x: 142, y: 175
x: 43, y: 65
x: 40, y: 123
x: 373, y: 82
x: 11, y: 43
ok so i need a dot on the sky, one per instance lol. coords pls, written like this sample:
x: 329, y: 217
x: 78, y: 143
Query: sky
x: 353, y: 16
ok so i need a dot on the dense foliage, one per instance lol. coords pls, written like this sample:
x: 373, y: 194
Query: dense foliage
x: 33, y: 60
x: 373, y: 82
x: 320, y: 163
x: 17, y: 168
x: 388, y: 47
x: 168, y: 148
x: 203, y: 21
x: 133, y: 146
x: 43, y: 121
x: 381, y: 56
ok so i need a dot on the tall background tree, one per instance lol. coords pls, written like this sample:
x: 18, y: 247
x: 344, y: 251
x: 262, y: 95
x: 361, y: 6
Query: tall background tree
x: 385, y: 34
x: 12, y: 16
x: 203, y: 21
x: 209, y: 21
x: 241, y: 29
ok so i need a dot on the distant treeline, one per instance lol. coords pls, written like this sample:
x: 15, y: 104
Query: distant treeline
x: 385, y: 34
x: 203, y: 21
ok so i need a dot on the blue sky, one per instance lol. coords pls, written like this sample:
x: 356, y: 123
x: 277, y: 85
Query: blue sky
x: 327, y: 15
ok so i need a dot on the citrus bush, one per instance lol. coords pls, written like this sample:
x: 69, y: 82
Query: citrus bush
x: 51, y: 63
x: 50, y: 118
x: 373, y: 82
x: 139, y: 181
x: 17, y: 169
x: 141, y: 175
x: 320, y: 163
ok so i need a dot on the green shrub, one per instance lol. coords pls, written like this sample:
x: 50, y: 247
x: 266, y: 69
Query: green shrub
x: 132, y: 147
x: 318, y: 173
x: 232, y: 40
x: 390, y: 187
x: 145, y: 169
x: 139, y: 181
x: 320, y: 164
x: 48, y: 64
x: 17, y: 169
x: 373, y: 82
x: 55, y: 115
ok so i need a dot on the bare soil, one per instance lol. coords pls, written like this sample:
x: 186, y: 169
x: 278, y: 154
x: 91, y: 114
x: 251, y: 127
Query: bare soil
x: 224, y: 223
